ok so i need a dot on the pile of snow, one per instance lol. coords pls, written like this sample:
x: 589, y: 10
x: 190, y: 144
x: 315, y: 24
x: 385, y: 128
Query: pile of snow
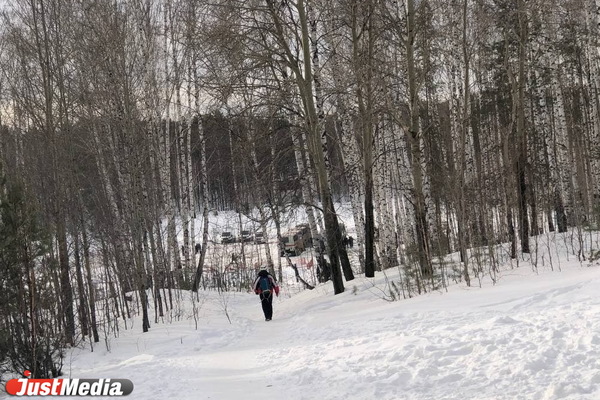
x: 530, y: 336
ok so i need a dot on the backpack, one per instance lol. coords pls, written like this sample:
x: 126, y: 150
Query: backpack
x: 265, y: 284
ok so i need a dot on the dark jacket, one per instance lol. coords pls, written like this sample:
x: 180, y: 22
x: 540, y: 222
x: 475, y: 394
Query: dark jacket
x: 272, y: 284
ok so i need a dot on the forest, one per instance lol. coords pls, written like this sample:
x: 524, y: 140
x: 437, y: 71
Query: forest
x: 449, y: 126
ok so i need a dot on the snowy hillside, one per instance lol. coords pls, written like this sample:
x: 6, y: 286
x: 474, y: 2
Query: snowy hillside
x: 530, y: 336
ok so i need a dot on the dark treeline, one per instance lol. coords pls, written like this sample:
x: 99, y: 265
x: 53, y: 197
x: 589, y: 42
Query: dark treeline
x: 466, y: 127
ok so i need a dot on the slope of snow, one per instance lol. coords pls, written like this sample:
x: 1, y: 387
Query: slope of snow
x: 530, y: 336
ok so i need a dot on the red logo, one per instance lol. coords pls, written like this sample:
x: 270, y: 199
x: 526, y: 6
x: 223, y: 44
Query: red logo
x: 68, y: 387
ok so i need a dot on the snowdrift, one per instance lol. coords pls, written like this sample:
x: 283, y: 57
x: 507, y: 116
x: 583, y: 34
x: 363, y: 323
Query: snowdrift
x: 535, y: 334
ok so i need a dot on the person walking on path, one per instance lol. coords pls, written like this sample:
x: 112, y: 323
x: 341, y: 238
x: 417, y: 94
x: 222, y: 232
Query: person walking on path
x: 264, y: 286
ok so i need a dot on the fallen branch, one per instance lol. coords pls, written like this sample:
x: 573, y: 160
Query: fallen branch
x: 306, y: 284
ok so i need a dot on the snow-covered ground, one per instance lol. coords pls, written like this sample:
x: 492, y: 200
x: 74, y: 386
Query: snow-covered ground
x: 530, y: 336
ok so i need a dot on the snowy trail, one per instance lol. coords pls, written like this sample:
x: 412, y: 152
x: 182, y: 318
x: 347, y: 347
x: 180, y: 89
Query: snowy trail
x: 529, y: 337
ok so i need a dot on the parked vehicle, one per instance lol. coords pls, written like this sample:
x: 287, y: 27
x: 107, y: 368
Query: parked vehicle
x: 304, y: 230
x: 292, y: 243
x: 245, y: 236
x: 259, y: 238
x: 227, y: 237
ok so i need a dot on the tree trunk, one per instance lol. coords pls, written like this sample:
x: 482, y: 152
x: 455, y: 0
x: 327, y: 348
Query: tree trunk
x: 414, y: 136
x: 317, y: 107
x: 362, y: 49
x: 90, y: 285
x: 522, y: 159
